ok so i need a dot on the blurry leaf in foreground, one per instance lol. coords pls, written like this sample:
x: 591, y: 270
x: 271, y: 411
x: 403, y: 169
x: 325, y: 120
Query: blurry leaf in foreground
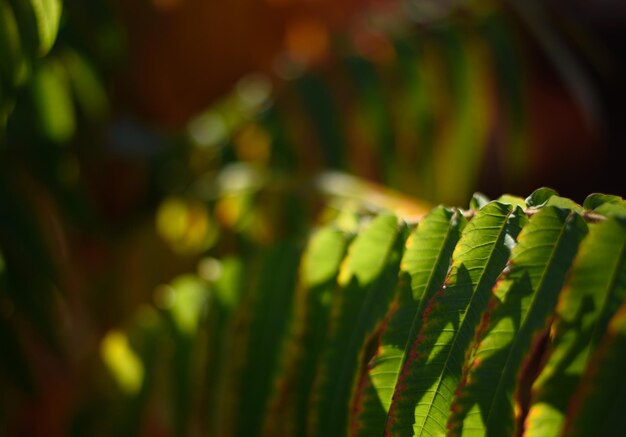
x: 86, y: 85
x: 53, y: 102
x: 13, y: 64
x: 47, y: 15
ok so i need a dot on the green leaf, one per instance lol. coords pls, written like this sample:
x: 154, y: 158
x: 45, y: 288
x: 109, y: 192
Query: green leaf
x: 367, y: 280
x: 596, y: 200
x: 226, y: 296
x: 186, y: 304
x: 317, y: 281
x: 322, y: 258
x: 599, y: 404
x: 513, y: 200
x: 423, y: 395
x: 522, y: 301
x: 13, y: 66
x: 610, y: 206
x: 565, y: 203
x: 595, y: 290
x: 540, y: 197
x: 269, y: 310
x: 47, y: 15
x: 367, y: 255
x: 27, y: 25
x: 53, y: 102
x: 423, y: 269
x: 548, y: 197
x: 87, y: 88
x: 478, y: 201
x: 38, y: 22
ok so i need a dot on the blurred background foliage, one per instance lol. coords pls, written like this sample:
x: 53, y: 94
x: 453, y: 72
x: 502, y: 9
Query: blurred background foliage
x: 151, y: 150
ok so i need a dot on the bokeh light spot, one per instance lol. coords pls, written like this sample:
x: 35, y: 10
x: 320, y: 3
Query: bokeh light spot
x: 254, y: 91
x: 209, y: 269
x: 186, y: 226
x: 207, y: 129
x: 172, y: 219
x: 123, y: 363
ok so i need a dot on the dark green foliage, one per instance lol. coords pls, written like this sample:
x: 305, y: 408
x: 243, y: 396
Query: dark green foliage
x: 499, y: 320
x: 439, y: 333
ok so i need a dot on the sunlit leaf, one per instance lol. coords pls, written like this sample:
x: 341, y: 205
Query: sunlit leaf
x: 423, y: 395
x: 523, y: 299
x: 611, y: 206
x: 513, y: 200
x: 540, y: 197
x: 48, y: 15
x: 595, y: 290
x: 367, y: 280
x: 423, y: 268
